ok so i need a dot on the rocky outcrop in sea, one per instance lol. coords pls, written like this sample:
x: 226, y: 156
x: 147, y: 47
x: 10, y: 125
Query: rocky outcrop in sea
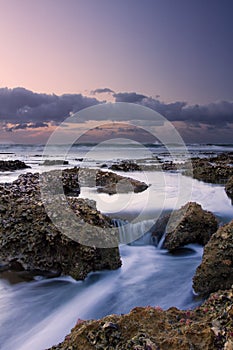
x: 213, y: 170
x: 12, y: 165
x: 30, y: 240
x: 189, y: 224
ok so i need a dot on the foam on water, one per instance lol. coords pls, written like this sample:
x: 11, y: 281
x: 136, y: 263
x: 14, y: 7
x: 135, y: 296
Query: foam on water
x: 41, y: 313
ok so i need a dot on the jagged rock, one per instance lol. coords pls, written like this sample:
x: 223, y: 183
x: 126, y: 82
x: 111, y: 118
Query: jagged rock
x: 29, y: 238
x: 229, y: 188
x: 207, y: 327
x: 189, y: 224
x: 216, y: 268
x: 11, y: 165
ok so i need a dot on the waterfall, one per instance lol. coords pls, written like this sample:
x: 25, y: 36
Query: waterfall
x: 160, y: 243
x: 135, y: 233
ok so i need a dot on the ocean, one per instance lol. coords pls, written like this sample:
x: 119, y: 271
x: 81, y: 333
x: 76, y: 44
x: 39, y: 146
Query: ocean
x: 38, y: 314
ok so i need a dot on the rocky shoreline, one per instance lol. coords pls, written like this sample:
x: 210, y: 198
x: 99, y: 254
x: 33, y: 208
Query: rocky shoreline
x: 30, y: 243
x: 207, y: 327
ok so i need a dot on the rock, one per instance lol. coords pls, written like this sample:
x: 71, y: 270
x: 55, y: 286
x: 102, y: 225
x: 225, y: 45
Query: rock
x: 125, y: 165
x: 213, y: 170
x: 49, y: 162
x: 11, y: 165
x: 229, y: 188
x: 189, y: 224
x: 151, y: 328
x: 28, y: 237
x: 106, y: 181
x: 216, y: 269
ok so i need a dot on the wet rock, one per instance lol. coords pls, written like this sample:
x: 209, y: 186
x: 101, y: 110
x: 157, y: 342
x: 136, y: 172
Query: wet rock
x: 11, y: 165
x: 212, y: 170
x: 125, y: 165
x: 151, y: 328
x: 229, y: 188
x: 49, y: 162
x: 107, y: 182
x: 216, y: 268
x: 29, y: 237
x: 189, y: 224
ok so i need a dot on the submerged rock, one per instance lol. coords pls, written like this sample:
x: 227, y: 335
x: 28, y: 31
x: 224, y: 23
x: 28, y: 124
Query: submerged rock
x: 49, y: 162
x: 189, y: 224
x: 216, y: 269
x: 229, y: 188
x: 29, y: 238
x: 11, y: 165
x: 207, y: 327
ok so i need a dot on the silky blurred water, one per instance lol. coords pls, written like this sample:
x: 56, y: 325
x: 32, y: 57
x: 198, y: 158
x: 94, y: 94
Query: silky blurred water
x: 38, y: 314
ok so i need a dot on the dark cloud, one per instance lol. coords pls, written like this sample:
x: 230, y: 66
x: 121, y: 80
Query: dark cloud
x: 102, y: 91
x: 24, y: 109
x: 215, y: 114
x: 20, y: 106
x: 131, y: 97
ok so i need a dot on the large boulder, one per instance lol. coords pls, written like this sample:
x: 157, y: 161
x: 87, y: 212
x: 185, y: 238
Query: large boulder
x: 216, y: 269
x: 11, y: 165
x: 31, y: 241
x: 189, y: 224
x: 204, y: 328
x: 229, y: 188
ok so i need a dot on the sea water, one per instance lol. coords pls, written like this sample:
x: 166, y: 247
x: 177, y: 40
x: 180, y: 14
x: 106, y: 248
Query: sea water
x: 38, y: 314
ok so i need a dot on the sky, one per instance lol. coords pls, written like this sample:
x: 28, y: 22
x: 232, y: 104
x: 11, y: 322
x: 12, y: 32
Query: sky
x: 60, y: 56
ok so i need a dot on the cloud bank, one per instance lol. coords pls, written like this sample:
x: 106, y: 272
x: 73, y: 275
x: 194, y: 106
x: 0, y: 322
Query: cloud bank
x: 26, y: 109
x: 214, y: 114
x: 22, y: 109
